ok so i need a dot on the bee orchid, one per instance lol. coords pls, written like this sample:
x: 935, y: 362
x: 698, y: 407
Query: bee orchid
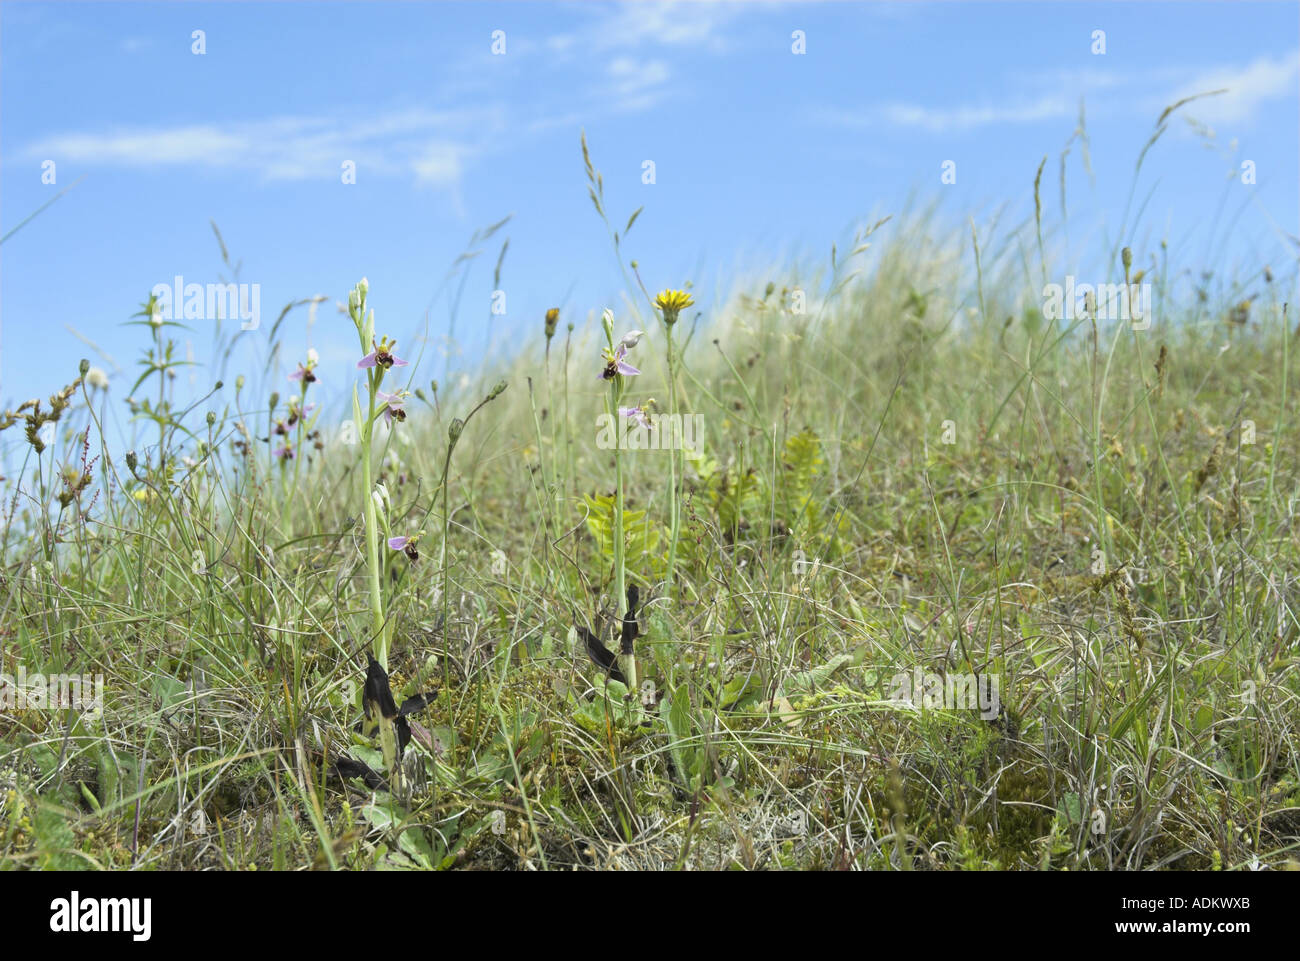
x: 615, y: 364
x: 306, y: 372
x: 298, y: 411
x: 381, y: 356
x: 394, y: 405
x: 405, y: 544
x: 640, y: 415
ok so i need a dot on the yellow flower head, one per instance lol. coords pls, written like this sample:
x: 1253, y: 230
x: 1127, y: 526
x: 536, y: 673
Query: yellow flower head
x: 672, y: 303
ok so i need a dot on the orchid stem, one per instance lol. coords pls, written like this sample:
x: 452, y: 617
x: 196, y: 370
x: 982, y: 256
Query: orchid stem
x: 620, y: 577
x: 372, y: 534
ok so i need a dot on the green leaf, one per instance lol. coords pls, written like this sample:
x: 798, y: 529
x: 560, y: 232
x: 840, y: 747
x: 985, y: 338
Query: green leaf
x: 414, y: 843
x: 1130, y: 714
x: 1070, y: 809
x: 806, y: 682
x: 169, y: 690
x: 675, y: 712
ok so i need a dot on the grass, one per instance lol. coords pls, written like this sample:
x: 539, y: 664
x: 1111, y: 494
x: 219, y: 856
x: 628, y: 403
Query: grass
x: 905, y: 468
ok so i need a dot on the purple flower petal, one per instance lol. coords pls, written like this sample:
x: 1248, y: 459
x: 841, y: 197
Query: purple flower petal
x: 627, y: 370
x: 368, y: 360
x: 398, y: 543
x: 394, y: 406
x: 637, y: 414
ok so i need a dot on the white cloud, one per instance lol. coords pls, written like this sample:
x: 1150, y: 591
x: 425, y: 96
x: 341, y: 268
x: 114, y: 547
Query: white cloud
x: 203, y: 144
x: 667, y: 23
x: 431, y: 145
x: 439, y: 165
x: 952, y: 119
x: 967, y: 118
x: 636, y: 84
x: 1248, y: 88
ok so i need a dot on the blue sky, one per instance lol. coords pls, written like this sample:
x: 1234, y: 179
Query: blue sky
x: 759, y: 153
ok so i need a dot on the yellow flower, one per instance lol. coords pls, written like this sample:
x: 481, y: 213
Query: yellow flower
x: 672, y: 303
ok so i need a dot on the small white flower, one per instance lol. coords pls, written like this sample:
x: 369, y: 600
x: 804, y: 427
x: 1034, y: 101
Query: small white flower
x: 313, y: 358
x: 631, y: 337
x: 96, y: 378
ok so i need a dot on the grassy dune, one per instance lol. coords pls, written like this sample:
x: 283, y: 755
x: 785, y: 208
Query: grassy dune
x: 904, y: 472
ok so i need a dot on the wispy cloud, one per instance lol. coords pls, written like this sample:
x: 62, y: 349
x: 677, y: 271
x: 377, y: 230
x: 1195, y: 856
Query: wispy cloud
x: 631, y: 26
x: 967, y: 118
x: 951, y: 119
x: 431, y: 146
x: 632, y: 33
x: 434, y: 148
x: 636, y: 45
x: 1145, y: 93
x: 440, y: 164
x: 1247, y: 88
x: 636, y: 84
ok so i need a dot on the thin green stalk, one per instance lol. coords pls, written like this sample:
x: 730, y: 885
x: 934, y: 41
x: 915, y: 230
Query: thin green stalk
x: 365, y: 323
x: 372, y: 536
x: 453, y: 435
x: 674, y: 494
x: 620, y: 590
